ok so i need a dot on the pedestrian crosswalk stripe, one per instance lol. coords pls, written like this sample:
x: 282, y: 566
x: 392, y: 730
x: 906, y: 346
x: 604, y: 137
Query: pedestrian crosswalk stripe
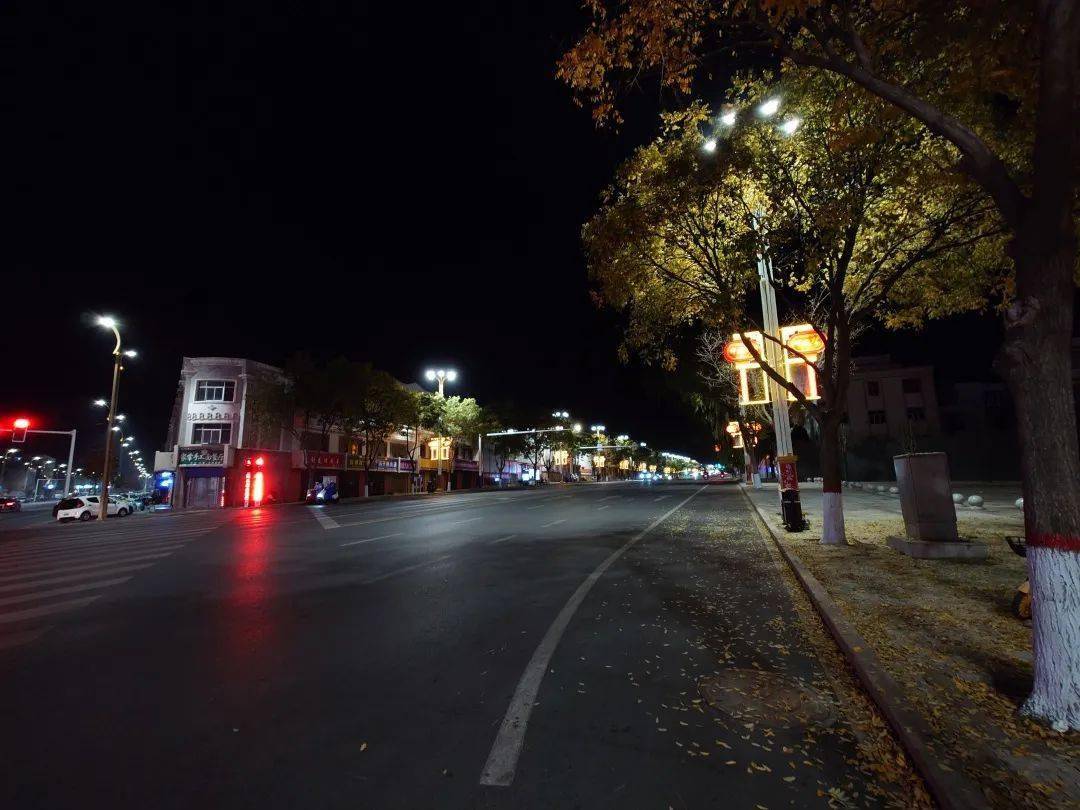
x: 22, y: 637
x: 35, y: 583
x: 33, y: 596
x: 46, y: 610
x: 59, y: 552
x: 17, y: 547
x: 74, y: 559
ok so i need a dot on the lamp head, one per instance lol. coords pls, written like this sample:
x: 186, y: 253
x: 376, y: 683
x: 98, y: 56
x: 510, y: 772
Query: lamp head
x: 107, y: 322
x: 768, y: 108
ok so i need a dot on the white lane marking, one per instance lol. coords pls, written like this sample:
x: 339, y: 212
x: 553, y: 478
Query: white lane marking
x: 404, y: 570
x: 46, y: 610
x: 501, y: 763
x: 470, y: 520
x: 79, y: 565
x: 538, y: 506
x: 502, y: 539
x: 660, y: 498
x: 370, y: 539
x: 33, y: 596
x: 609, y: 497
x: 554, y: 523
x: 605, y: 506
x: 324, y: 519
x: 34, y: 583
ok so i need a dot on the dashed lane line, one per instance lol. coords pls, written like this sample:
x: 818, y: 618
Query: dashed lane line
x: 405, y: 570
x: 502, y: 539
x: 370, y: 539
x: 553, y: 523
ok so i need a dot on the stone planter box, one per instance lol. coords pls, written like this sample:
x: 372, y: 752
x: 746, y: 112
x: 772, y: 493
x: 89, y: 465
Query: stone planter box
x: 929, y: 515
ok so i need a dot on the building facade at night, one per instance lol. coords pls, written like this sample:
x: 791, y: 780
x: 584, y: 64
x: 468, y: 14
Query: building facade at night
x: 219, y: 433
x: 885, y: 399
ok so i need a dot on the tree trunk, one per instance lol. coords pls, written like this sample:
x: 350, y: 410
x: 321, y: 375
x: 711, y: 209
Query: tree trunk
x: 832, y: 498
x: 1035, y: 360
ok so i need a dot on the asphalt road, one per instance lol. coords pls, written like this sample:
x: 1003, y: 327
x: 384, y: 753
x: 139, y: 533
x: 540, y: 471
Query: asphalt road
x: 586, y: 646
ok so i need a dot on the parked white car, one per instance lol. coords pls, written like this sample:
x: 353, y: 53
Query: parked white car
x: 88, y: 507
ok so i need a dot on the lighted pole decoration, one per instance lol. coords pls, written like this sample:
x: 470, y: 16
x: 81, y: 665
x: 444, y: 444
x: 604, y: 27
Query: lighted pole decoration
x: 791, y: 354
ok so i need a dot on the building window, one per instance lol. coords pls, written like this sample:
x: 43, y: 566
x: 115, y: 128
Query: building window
x: 875, y: 417
x: 214, y: 390
x: 912, y: 385
x: 916, y: 414
x: 873, y: 388
x: 210, y: 433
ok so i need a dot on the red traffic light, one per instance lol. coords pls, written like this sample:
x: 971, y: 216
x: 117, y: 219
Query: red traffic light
x: 18, y: 431
x: 259, y: 461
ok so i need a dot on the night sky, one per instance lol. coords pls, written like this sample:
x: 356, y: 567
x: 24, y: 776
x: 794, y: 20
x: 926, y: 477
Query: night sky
x: 400, y: 184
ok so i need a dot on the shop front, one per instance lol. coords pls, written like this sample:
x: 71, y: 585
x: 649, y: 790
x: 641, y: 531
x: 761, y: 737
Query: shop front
x: 321, y: 467
x: 200, y: 472
x: 465, y: 473
x: 388, y: 476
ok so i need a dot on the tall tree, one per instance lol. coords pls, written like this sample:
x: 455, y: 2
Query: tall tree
x: 460, y: 423
x: 999, y: 81
x: 421, y: 413
x: 855, y: 216
x: 374, y: 406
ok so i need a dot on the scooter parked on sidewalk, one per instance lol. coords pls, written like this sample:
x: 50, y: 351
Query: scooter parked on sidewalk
x: 1021, y: 603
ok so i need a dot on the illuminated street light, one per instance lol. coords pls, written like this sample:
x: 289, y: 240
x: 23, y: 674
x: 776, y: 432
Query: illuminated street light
x: 710, y: 145
x: 442, y: 375
x: 728, y: 118
x: 789, y: 126
x: 101, y: 403
x: 108, y: 322
x: 769, y: 108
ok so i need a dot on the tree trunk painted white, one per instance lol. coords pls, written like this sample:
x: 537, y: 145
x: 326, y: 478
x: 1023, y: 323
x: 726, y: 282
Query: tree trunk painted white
x: 832, y: 499
x: 757, y: 480
x: 1035, y: 362
x: 1055, y: 614
x: 832, y: 519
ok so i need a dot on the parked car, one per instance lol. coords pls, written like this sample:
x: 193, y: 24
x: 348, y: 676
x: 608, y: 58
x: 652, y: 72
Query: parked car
x: 9, y: 503
x: 88, y: 507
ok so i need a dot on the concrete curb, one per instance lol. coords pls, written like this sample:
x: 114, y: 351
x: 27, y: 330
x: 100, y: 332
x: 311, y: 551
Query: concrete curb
x: 950, y: 789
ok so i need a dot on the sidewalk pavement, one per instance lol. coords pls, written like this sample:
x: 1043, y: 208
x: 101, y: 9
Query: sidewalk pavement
x: 944, y: 631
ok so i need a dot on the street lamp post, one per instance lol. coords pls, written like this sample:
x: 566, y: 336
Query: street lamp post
x: 442, y: 375
x: 118, y: 355
x: 773, y: 345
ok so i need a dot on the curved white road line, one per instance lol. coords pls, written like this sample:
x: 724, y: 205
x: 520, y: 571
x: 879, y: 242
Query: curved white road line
x: 501, y: 763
